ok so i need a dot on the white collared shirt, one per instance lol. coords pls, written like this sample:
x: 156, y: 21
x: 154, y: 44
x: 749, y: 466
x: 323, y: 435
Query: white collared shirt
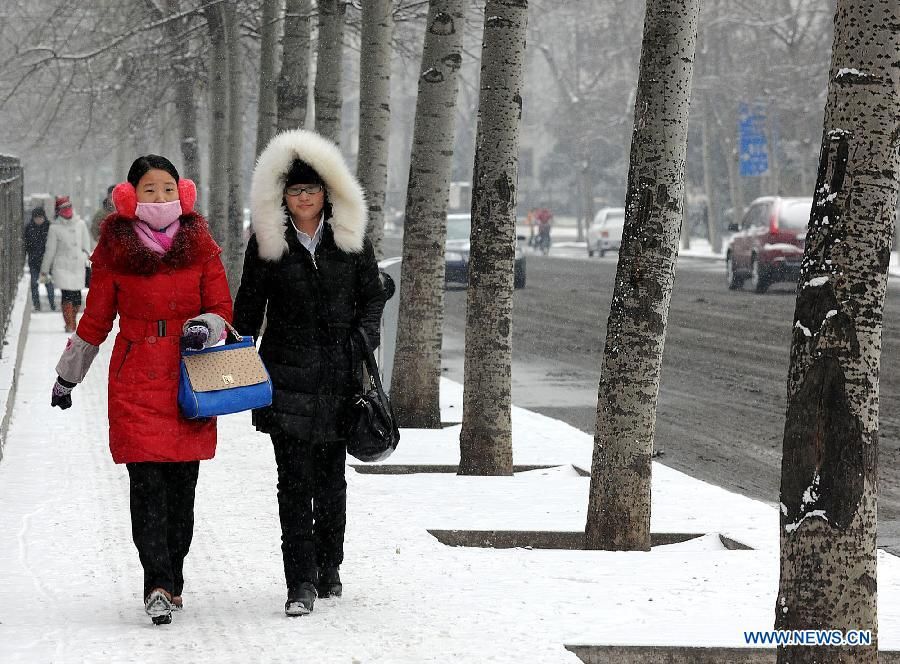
x: 310, y: 243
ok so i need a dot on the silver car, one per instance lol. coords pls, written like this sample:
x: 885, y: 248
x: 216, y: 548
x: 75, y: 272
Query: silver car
x: 456, y: 254
x: 605, y: 232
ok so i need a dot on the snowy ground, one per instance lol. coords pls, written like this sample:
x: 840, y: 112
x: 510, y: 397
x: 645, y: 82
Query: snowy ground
x: 70, y: 581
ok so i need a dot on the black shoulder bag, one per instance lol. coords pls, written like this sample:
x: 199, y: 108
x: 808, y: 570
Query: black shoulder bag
x: 373, y: 434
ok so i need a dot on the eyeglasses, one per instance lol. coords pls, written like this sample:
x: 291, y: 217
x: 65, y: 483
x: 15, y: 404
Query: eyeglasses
x: 297, y: 189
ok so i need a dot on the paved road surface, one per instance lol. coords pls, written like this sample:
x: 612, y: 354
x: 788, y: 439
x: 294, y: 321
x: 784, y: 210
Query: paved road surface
x: 722, y: 392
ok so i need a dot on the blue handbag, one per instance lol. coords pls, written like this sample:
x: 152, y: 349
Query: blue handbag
x: 223, y: 380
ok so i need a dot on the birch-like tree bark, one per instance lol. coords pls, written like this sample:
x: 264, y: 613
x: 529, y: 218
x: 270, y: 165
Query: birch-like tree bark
x: 619, y: 503
x: 485, y: 441
x: 217, y: 213
x: 829, y: 462
x: 267, y: 107
x: 415, y: 382
x: 329, y: 66
x: 234, y: 247
x: 293, y: 82
x: 375, y: 111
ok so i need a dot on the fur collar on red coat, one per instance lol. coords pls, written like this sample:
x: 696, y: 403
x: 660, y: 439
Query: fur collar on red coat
x: 119, y: 248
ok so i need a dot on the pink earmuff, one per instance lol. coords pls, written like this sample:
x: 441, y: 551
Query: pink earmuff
x: 124, y: 197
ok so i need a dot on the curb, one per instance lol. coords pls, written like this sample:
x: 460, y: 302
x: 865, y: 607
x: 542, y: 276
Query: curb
x: 13, y: 351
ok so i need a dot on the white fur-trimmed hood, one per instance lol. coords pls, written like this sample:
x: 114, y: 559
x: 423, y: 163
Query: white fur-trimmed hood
x: 269, y: 218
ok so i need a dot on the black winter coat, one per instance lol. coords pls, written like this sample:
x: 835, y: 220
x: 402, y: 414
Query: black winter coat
x: 310, y: 307
x: 35, y: 238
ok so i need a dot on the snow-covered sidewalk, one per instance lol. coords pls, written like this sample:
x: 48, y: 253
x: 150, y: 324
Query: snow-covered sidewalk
x: 70, y: 580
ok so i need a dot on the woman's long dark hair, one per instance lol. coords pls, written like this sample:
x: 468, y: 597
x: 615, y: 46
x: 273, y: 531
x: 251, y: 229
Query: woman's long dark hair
x: 148, y: 162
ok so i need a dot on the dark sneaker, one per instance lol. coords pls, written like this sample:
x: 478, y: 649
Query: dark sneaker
x: 329, y: 584
x: 301, y: 602
x: 158, y: 606
x: 177, y: 603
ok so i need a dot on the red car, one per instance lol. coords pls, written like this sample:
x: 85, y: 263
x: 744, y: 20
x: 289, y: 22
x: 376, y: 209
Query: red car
x: 768, y: 244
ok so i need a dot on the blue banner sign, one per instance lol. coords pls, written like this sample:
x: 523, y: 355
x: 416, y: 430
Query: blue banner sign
x: 754, y: 150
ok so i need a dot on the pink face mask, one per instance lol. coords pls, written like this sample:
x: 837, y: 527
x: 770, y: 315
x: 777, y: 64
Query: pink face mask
x: 158, y: 215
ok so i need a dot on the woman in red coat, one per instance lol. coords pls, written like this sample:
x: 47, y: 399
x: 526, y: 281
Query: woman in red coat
x: 157, y: 267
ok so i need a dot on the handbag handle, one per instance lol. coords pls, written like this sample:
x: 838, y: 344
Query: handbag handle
x: 230, y: 327
x: 371, y: 364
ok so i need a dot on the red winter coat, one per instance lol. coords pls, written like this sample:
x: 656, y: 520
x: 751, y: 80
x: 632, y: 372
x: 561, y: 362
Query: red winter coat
x: 151, y: 292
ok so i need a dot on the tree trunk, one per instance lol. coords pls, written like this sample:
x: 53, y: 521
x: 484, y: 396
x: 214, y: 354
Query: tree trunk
x: 619, y: 504
x: 185, y: 101
x: 267, y: 110
x: 217, y: 211
x: 774, y: 166
x: 375, y: 111
x: 293, y: 83
x: 829, y: 461
x: 186, y: 109
x: 588, y: 202
x: 329, y: 66
x: 712, y: 217
x: 485, y: 441
x: 234, y: 246
x: 415, y: 381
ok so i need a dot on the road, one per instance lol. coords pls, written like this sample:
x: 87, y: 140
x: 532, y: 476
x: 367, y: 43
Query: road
x: 722, y: 393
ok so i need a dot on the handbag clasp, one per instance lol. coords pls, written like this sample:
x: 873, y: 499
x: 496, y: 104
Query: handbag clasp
x: 228, y: 379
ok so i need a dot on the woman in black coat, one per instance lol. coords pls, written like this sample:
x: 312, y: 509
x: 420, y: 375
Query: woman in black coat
x: 310, y: 271
x: 36, y: 231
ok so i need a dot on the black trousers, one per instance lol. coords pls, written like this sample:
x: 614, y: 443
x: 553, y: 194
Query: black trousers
x: 73, y: 296
x: 312, y: 504
x: 35, y: 288
x: 162, y: 520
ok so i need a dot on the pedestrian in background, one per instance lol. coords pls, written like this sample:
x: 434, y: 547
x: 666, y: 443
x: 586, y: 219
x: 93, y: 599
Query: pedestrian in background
x: 158, y: 269
x: 106, y: 208
x: 36, y: 231
x: 69, y: 247
x: 311, y: 272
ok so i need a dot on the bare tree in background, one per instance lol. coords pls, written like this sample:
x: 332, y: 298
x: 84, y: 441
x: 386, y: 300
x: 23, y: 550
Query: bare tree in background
x: 293, y: 82
x: 829, y: 467
x: 375, y: 111
x: 234, y: 247
x: 267, y: 108
x: 185, y: 99
x: 619, y: 503
x: 329, y: 68
x: 217, y: 209
x: 415, y: 380
x: 485, y: 441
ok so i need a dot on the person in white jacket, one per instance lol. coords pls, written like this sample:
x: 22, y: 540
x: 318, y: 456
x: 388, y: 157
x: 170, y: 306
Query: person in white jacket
x: 69, y: 246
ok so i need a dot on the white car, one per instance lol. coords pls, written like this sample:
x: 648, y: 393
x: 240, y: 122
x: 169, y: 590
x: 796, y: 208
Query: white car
x: 605, y: 232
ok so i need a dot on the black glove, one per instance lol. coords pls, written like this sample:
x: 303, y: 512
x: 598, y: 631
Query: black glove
x: 194, y: 337
x: 61, y: 396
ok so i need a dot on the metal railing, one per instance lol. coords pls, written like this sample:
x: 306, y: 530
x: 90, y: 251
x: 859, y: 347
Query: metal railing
x: 12, y: 251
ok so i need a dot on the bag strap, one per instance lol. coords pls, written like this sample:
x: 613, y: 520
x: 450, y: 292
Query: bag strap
x: 237, y: 337
x: 371, y: 364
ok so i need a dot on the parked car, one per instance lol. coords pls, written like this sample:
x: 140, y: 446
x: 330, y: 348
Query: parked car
x: 605, y: 232
x: 456, y: 252
x: 768, y: 243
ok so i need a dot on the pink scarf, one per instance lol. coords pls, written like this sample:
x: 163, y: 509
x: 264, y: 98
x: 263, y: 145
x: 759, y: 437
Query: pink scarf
x: 158, y: 242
